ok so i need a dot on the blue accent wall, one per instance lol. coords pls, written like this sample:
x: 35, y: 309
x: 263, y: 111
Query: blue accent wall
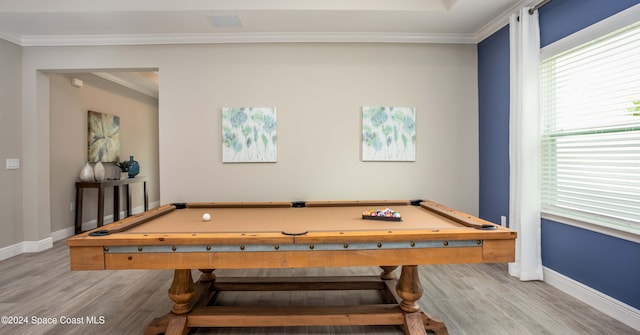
x: 604, y: 263
x: 561, y: 18
x: 493, y: 82
x: 608, y: 264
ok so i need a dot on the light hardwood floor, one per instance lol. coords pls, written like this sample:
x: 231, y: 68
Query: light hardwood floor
x: 471, y: 299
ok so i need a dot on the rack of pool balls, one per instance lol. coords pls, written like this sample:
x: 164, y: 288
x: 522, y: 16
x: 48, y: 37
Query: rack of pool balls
x: 386, y: 214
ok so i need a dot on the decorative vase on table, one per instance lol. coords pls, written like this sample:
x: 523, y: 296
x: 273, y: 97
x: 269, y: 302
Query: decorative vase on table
x: 133, y: 168
x: 98, y: 171
x: 86, y: 174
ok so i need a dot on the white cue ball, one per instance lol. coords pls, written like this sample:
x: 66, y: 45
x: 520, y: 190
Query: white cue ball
x: 206, y: 217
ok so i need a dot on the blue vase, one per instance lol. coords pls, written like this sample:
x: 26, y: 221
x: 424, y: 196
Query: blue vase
x: 133, y: 168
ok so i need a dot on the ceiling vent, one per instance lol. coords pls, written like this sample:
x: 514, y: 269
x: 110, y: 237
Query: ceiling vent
x: 225, y: 21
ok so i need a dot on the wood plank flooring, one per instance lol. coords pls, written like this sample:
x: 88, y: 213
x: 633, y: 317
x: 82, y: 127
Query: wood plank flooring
x: 471, y: 299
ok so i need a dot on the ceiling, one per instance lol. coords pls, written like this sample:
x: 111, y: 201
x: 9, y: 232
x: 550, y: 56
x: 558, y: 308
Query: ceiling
x: 125, y: 22
x: 128, y: 22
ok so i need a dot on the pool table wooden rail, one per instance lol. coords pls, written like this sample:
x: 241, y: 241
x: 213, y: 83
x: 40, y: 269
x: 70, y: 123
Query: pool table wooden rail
x: 95, y: 259
x: 203, y: 250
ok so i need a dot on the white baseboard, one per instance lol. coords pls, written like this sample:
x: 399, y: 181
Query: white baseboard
x: 600, y: 301
x: 47, y: 243
x: 26, y: 246
x: 62, y: 234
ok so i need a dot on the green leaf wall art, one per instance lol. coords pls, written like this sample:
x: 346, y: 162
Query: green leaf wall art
x: 249, y: 135
x: 388, y: 134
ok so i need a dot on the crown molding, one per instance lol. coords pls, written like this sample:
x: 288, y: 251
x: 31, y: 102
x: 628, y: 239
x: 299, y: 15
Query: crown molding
x: 493, y: 26
x: 11, y: 37
x: 127, y: 84
x: 104, y: 40
x: 502, y: 20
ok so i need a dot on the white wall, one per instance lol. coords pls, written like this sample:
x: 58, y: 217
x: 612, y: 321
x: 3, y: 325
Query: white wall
x: 318, y: 90
x: 10, y: 144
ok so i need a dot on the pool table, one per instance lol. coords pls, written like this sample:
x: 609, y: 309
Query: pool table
x: 243, y: 235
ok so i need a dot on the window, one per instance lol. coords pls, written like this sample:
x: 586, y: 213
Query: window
x: 591, y: 132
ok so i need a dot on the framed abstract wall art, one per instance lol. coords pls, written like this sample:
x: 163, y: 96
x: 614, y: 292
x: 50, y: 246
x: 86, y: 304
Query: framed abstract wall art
x: 388, y: 134
x: 249, y: 135
x: 103, y: 137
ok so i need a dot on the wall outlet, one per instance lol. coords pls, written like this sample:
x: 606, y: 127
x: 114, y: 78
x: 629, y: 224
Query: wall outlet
x: 71, y: 207
x: 503, y: 221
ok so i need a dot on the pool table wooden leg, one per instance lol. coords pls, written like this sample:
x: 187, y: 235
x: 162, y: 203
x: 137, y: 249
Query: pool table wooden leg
x: 177, y: 326
x: 434, y: 325
x: 207, y: 275
x: 410, y: 290
x: 389, y: 295
x: 387, y: 272
x: 187, y: 296
x: 182, y: 291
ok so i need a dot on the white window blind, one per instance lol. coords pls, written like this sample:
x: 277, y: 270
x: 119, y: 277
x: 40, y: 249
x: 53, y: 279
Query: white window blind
x: 591, y: 132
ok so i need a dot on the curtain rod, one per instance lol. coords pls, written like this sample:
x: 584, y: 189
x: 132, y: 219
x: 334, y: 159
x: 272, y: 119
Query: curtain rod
x: 536, y: 7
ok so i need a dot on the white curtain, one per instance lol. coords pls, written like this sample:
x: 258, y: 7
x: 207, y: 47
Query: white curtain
x: 524, y: 145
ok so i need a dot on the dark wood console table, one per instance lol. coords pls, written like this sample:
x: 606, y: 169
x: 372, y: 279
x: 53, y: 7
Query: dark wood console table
x: 100, y: 186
